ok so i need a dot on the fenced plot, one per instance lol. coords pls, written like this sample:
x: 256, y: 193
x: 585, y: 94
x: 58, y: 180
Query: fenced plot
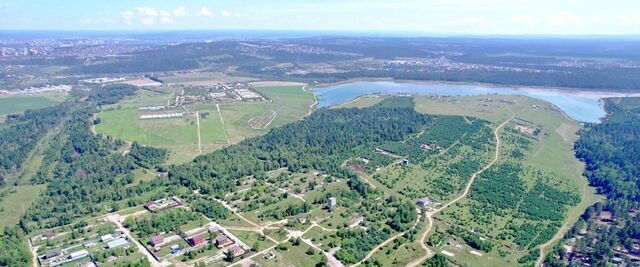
x: 262, y: 121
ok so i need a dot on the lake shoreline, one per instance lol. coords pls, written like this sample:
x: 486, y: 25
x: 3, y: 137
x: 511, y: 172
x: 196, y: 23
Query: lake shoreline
x: 582, y: 92
x: 582, y: 106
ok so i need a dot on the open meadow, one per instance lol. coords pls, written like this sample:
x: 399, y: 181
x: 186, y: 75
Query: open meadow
x: 16, y: 104
x: 206, y: 126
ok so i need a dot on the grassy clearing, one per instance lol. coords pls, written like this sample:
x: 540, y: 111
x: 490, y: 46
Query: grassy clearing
x: 16, y: 201
x: 361, y: 102
x: 156, y: 96
x: 254, y: 240
x: 15, y: 104
x: 292, y: 256
x: 179, y: 135
x: 290, y: 103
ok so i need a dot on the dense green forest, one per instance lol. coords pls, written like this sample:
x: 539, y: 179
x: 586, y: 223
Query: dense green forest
x: 13, y: 248
x: 323, y: 141
x: 24, y: 133
x: 89, y: 177
x: 147, y: 157
x: 611, y: 151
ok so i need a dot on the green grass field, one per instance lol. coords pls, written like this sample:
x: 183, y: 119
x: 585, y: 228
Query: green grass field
x: 292, y: 256
x: 16, y: 201
x: 15, y: 104
x: 180, y: 135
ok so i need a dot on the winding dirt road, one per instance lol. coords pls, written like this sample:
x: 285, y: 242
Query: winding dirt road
x: 429, y: 215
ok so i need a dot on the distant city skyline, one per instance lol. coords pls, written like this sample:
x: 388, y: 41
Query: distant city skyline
x: 476, y: 17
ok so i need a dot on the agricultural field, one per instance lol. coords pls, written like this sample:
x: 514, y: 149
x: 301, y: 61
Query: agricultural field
x: 219, y: 124
x: 16, y: 104
x: 179, y: 135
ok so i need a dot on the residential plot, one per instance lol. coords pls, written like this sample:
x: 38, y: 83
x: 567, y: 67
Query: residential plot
x: 95, y: 242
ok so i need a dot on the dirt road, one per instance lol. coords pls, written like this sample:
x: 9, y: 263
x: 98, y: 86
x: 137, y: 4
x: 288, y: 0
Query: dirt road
x: 429, y: 215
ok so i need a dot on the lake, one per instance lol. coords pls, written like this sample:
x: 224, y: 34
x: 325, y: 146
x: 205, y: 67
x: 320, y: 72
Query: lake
x: 585, y: 106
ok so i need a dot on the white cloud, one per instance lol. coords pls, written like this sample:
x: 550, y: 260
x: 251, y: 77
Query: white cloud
x: 4, y: 5
x: 148, y: 16
x: 147, y: 11
x: 167, y: 20
x: 147, y: 21
x: 204, y: 12
x: 524, y: 19
x: 180, y: 12
x: 225, y: 13
x: 566, y: 18
x: 127, y: 16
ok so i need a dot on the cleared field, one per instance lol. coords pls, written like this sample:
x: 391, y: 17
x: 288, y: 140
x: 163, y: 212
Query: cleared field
x: 179, y: 135
x: 156, y: 96
x: 15, y: 201
x: 15, y: 104
x: 360, y: 102
x: 291, y: 255
x: 288, y: 103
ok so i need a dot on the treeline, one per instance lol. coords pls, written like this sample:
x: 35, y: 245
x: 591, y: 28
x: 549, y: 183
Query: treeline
x: 24, y: 133
x: 323, y: 141
x: 89, y: 177
x: 611, y: 151
x: 111, y: 93
x: 162, y: 222
x: 471, y: 239
x: 355, y: 244
x: 13, y: 248
x: 212, y: 209
x: 612, y: 78
x: 147, y: 157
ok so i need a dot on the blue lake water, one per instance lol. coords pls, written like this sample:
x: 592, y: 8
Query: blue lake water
x: 577, y: 106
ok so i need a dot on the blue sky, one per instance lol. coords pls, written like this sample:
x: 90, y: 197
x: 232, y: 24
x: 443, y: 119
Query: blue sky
x: 428, y: 16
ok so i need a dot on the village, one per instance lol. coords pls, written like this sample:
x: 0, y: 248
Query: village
x: 106, y: 241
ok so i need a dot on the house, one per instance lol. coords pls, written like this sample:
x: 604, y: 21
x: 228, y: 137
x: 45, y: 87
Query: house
x: 214, y: 228
x: 404, y: 162
x: 197, y: 240
x: 117, y: 243
x: 49, y: 235
x: 149, y: 205
x: 426, y: 146
x: 606, y: 216
x: 52, y: 253
x: 223, y: 241
x: 236, y: 251
x: 175, y: 249
x: 78, y: 254
x: 156, y: 240
x: 106, y: 238
x: 332, y: 202
x: 427, y: 203
x: 269, y: 255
